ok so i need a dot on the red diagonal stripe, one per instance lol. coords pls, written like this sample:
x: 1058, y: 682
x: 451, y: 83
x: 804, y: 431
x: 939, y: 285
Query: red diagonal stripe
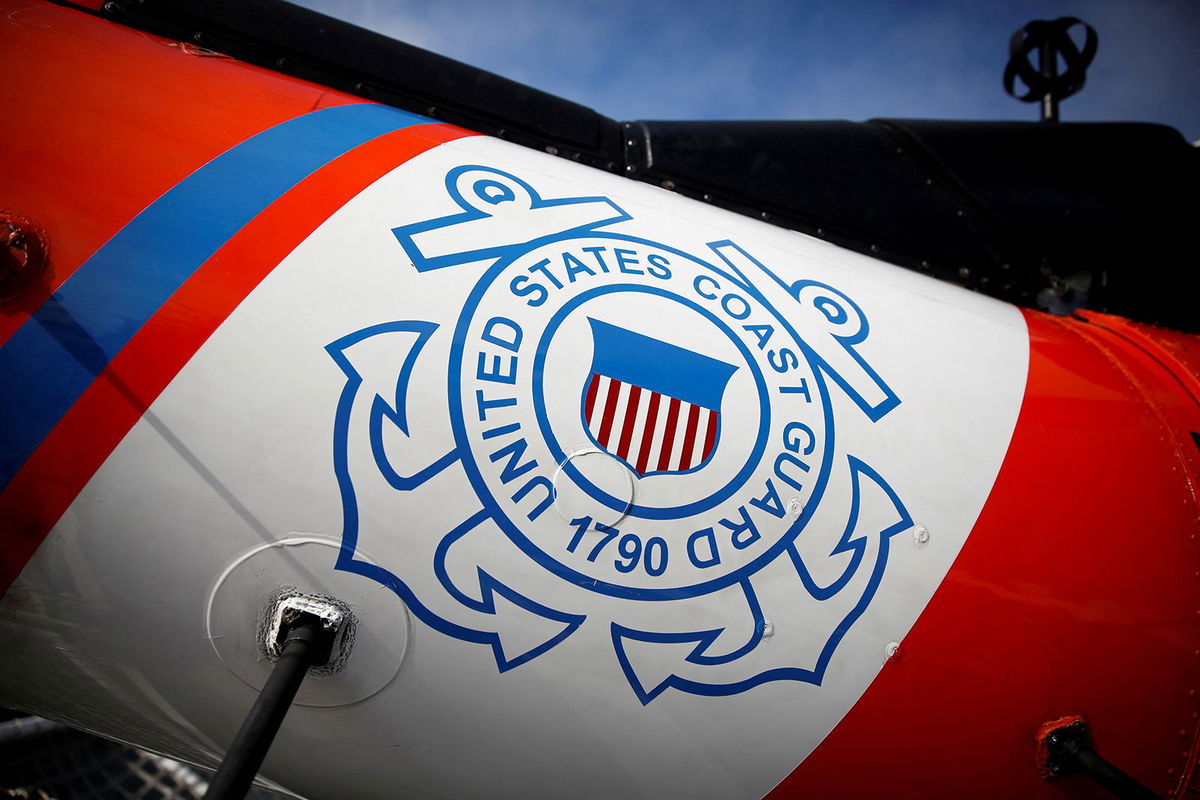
x: 40, y: 492
x: 664, y: 458
x: 648, y: 435
x: 710, y: 438
x: 635, y: 395
x: 689, y: 437
x: 610, y: 410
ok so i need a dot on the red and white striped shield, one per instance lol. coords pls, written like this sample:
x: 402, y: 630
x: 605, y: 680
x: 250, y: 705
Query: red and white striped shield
x: 654, y: 405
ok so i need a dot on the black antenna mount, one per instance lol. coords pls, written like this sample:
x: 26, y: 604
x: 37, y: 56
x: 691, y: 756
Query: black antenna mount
x: 1052, y: 41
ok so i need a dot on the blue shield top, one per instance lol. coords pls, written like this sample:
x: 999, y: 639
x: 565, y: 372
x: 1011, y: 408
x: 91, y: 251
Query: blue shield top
x: 657, y: 366
x: 654, y: 405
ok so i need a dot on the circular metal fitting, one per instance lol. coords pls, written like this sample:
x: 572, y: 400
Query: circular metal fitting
x: 24, y: 251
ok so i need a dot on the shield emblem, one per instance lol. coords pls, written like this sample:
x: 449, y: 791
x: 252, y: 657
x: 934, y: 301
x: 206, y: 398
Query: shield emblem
x: 654, y: 405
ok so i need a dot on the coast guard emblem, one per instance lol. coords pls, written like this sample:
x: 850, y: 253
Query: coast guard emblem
x: 645, y: 433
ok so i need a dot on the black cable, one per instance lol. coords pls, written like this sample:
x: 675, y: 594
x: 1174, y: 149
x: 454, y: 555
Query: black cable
x: 1068, y: 750
x: 1109, y: 777
x: 250, y: 746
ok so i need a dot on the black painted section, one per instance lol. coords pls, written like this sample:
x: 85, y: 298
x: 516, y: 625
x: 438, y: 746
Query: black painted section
x: 1095, y: 215
x: 1000, y: 207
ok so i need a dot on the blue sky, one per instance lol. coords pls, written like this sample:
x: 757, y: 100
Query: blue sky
x: 763, y: 59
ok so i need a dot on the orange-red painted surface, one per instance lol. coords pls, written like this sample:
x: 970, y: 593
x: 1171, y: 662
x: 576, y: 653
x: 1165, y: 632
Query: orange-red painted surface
x: 1075, y: 594
x: 101, y: 120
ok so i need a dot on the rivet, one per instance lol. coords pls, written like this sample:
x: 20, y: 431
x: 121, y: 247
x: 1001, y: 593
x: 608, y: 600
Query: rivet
x: 768, y: 629
x: 920, y: 534
x: 892, y: 650
x: 631, y: 142
x: 629, y: 167
x: 964, y: 272
x: 874, y: 248
x: 765, y: 215
x: 708, y: 199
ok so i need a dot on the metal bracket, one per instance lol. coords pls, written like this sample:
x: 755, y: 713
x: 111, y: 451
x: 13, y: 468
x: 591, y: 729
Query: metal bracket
x: 292, y: 609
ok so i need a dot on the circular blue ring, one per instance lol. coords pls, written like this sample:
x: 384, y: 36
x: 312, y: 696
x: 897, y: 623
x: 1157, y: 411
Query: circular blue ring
x: 616, y: 504
x: 455, y: 408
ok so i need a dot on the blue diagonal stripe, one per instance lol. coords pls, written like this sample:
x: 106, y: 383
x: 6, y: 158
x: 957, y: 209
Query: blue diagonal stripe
x: 54, y: 356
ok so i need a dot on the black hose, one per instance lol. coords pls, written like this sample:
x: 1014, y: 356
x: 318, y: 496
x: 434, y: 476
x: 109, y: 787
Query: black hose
x: 1110, y: 778
x: 250, y: 746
